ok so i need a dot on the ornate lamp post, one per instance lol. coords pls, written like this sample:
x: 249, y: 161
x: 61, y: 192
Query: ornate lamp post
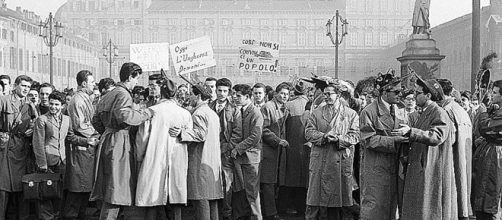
x: 50, y: 31
x: 337, y: 39
x: 110, y: 52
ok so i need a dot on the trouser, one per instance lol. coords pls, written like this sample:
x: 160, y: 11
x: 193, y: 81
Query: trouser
x: 268, y: 206
x: 206, y: 209
x: 75, y: 205
x: 487, y: 216
x: 292, y: 198
x: 51, y: 209
x: 228, y: 174
x: 111, y: 212
x: 246, y: 203
x: 323, y: 213
x: 16, y: 198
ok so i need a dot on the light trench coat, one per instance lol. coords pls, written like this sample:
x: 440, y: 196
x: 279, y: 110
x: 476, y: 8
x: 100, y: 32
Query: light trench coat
x: 164, y: 159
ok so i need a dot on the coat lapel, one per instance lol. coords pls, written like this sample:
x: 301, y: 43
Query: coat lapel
x: 384, y: 115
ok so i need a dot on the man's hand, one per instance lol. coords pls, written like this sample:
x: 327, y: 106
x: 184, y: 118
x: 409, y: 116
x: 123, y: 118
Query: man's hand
x: 234, y: 154
x: 92, y: 141
x: 28, y: 132
x: 402, y: 131
x: 284, y: 143
x: 174, y: 131
x: 401, y: 139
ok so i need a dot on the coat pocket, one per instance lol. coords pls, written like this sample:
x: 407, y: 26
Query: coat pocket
x: 4, y: 140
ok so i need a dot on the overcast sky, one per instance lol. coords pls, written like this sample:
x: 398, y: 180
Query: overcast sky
x: 441, y: 10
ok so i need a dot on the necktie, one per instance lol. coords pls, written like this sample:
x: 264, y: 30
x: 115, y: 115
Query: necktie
x: 392, y: 111
x: 219, y: 107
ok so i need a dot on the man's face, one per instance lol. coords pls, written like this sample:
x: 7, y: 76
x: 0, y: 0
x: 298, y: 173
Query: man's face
x: 410, y: 102
x: 283, y: 96
x: 90, y: 83
x: 212, y: 86
x: 363, y: 101
x: 7, y: 89
x: 68, y: 99
x: 259, y: 95
x: 193, y: 100
x: 44, y: 95
x: 222, y: 92
x: 55, y: 106
x: 496, y: 98
x: 465, y: 103
x: 33, y: 96
x: 154, y: 88
x: 183, y: 90
x: 331, y: 95
x: 133, y: 81
x: 393, y: 95
x: 240, y: 99
x: 23, y: 88
x: 475, y: 103
x: 421, y: 98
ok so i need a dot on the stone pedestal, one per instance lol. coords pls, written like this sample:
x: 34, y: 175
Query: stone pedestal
x: 422, y: 55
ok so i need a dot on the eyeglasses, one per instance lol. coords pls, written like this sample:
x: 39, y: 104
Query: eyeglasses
x: 409, y: 99
x: 397, y: 92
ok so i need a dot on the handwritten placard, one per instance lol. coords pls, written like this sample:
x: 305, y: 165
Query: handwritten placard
x: 192, y: 55
x: 260, y: 56
x: 151, y: 56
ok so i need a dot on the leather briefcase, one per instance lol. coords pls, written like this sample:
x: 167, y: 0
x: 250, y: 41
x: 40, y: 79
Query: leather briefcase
x: 42, y: 186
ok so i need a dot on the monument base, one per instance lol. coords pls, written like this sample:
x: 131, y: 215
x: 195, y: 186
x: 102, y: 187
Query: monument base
x: 422, y: 55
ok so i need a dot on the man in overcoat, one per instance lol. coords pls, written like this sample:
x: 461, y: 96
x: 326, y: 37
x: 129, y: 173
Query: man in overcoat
x: 462, y: 148
x: 16, y: 128
x: 80, y: 159
x: 274, y: 140
x: 429, y: 188
x: 230, y: 135
x: 247, y: 157
x: 115, y: 177
x: 379, y: 153
x: 333, y: 129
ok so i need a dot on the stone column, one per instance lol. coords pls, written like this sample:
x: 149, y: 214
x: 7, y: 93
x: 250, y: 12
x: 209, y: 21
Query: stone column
x: 422, y: 55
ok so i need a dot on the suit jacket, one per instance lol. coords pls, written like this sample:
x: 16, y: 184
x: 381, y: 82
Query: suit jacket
x: 232, y: 126
x: 249, y: 149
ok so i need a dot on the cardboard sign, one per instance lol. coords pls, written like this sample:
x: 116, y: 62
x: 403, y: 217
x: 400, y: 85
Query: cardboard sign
x: 192, y: 55
x: 261, y: 56
x: 150, y: 57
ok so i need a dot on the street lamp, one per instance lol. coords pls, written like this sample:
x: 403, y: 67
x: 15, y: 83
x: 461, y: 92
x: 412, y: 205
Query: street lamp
x: 337, y: 40
x: 110, y: 52
x: 50, y: 31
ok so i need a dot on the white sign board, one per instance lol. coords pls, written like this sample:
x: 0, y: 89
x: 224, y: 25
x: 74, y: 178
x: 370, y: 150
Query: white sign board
x: 192, y: 55
x: 150, y: 57
x: 261, y: 56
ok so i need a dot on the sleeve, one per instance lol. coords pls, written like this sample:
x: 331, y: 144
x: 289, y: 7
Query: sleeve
x: 370, y: 139
x: 142, y: 137
x: 269, y: 137
x: 97, y: 123
x: 312, y: 133
x: 75, y: 139
x: 124, y: 113
x: 236, y: 133
x: 437, y: 132
x: 199, y: 131
x: 77, y: 114
x: 351, y: 138
x: 254, y: 138
x: 39, y: 143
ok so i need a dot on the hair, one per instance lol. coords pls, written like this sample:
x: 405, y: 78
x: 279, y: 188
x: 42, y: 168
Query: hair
x: 203, y: 95
x: 446, y: 85
x: 224, y: 82
x: 105, y: 84
x: 269, y: 92
x: 211, y: 79
x: 129, y: 70
x: 155, y: 77
x: 260, y: 85
x: 498, y: 84
x: 244, y: 89
x: 2, y: 85
x: 5, y: 77
x: 138, y: 90
x: 57, y: 95
x: 35, y: 86
x: 466, y: 94
x: 82, y: 76
x: 282, y: 86
x: 47, y: 85
x: 166, y: 90
x: 23, y: 78
x: 69, y: 92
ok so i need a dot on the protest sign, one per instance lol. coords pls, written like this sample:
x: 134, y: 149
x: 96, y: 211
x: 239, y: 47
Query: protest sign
x: 261, y: 56
x: 151, y: 57
x: 192, y: 55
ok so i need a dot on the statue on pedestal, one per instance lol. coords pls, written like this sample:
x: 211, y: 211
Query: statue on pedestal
x: 420, y: 22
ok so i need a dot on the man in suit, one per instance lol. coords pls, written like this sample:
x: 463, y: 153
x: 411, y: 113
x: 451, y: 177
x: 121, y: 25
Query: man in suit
x: 230, y: 135
x: 247, y: 156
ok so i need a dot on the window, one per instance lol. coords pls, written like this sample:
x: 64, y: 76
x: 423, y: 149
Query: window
x: 226, y: 22
x: 384, y: 39
x: 353, y: 39
x: 191, y: 21
x: 301, y: 39
x: 368, y: 40
x: 282, y: 38
x: 282, y: 22
x: 120, y: 22
x: 4, y: 34
x: 227, y: 38
x: 190, y: 35
x: 121, y: 4
x: 265, y: 36
x: 12, y: 36
x: 175, y: 21
x: 92, y: 5
x: 301, y: 22
x: 264, y: 22
x: 246, y: 35
x: 32, y: 61
x: 20, y: 59
x: 172, y: 37
x: 319, y: 38
x: 246, y: 21
x: 27, y: 60
x: 136, y: 4
x: 138, y: 22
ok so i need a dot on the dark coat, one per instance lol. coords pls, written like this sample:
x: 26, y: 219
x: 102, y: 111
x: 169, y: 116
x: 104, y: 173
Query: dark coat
x: 115, y: 177
x: 49, y: 137
x: 274, y: 130
x: 429, y: 188
x: 232, y: 126
x: 81, y: 157
x: 294, y: 167
x: 330, y: 180
x: 15, y: 120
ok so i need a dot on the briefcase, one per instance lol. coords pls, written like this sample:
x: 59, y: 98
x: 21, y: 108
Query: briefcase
x: 42, y: 186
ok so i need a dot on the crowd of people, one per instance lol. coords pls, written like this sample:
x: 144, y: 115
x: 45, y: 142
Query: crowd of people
x: 322, y: 148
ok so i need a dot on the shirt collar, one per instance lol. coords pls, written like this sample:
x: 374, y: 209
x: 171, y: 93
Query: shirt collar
x: 386, y: 104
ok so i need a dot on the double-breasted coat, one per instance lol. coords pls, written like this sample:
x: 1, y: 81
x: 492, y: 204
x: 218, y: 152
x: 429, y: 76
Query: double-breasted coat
x: 294, y: 161
x: 204, y: 158
x: 81, y: 158
x: 115, y: 177
x: 274, y: 130
x: 462, y: 154
x: 15, y: 119
x: 429, y: 188
x: 330, y: 170
x: 379, y: 161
